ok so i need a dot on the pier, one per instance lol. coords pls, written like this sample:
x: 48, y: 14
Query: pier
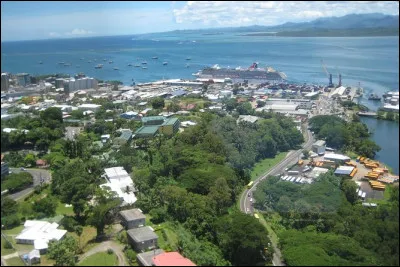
x: 367, y: 114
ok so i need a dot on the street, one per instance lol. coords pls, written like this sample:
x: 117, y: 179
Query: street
x: 246, y: 205
x: 38, y: 175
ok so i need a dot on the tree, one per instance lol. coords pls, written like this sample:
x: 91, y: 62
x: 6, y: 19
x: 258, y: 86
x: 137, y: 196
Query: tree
x: 52, y: 117
x: 220, y: 195
x: 261, y: 103
x: 64, y: 252
x: 230, y: 104
x: 158, y: 103
x: 79, y: 230
x: 46, y: 206
x: 8, y: 206
x: 30, y: 160
x: 349, y: 187
x: 242, y: 239
x: 245, y: 108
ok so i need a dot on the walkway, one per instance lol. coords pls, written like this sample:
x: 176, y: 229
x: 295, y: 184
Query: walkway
x: 104, y: 246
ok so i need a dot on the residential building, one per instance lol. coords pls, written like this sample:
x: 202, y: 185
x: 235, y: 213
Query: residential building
x: 170, y: 126
x: 142, y: 238
x: 248, y: 118
x: 146, y: 258
x: 171, y: 259
x: 119, y: 181
x: 124, y: 138
x: 132, y: 218
x: 39, y: 233
x: 92, y: 107
x: 5, y: 84
x: 146, y: 132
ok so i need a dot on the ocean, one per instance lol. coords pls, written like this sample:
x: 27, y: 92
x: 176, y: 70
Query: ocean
x: 372, y: 62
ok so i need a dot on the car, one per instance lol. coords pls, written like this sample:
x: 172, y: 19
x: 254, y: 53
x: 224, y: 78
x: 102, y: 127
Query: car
x: 248, y: 194
x: 251, y: 199
x: 23, y: 169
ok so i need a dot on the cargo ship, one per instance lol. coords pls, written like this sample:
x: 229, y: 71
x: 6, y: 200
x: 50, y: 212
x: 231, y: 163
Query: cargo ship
x: 374, y: 97
x: 253, y: 73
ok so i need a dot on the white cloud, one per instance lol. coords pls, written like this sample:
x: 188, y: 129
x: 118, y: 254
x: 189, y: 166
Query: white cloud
x: 231, y: 13
x: 54, y: 34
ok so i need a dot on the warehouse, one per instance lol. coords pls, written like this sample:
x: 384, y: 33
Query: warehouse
x: 319, y: 147
x: 344, y: 170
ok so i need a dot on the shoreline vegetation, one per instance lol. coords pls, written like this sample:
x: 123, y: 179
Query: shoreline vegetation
x: 372, y: 32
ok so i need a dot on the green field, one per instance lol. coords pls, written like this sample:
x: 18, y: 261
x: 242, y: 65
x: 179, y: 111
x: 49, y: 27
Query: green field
x: 100, y: 259
x: 266, y: 164
x: 5, y: 251
x: 16, y: 261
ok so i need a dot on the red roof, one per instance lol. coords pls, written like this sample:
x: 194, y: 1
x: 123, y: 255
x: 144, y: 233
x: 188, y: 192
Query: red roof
x: 41, y: 162
x: 172, y: 259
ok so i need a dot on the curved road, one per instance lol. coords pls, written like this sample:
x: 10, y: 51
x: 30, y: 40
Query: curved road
x: 245, y: 204
x: 104, y: 246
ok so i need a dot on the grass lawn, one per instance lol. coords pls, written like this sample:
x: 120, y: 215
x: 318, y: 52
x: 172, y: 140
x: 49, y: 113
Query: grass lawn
x: 88, y: 234
x: 14, y: 231
x: 16, y: 261
x: 62, y: 210
x: 100, y: 259
x: 5, y: 251
x: 265, y: 165
x: 45, y: 261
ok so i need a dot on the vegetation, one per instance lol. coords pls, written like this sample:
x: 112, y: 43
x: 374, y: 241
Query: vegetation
x: 346, y: 136
x: 100, y: 259
x: 388, y: 115
x: 326, y: 222
x: 15, y: 182
x: 64, y: 252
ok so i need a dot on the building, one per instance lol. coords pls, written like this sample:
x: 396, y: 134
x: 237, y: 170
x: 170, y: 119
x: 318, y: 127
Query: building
x: 319, y: 147
x: 133, y: 218
x: 170, y: 126
x: 344, y: 170
x: 124, y: 138
x: 171, y: 259
x: 247, y: 118
x: 153, y: 120
x: 5, y: 83
x: 23, y: 79
x: 142, y: 238
x: 60, y: 83
x: 119, y: 181
x: 33, y: 257
x: 4, y: 169
x: 146, y: 132
x: 146, y: 258
x: 39, y: 233
x: 337, y: 158
x: 130, y: 115
x: 92, y: 107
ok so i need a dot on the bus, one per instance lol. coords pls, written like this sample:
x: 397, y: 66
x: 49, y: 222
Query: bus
x: 256, y: 216
x: 250, y: 184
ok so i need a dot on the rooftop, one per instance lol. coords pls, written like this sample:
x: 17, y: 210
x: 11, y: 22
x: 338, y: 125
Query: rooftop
x: 147, y: 130
x: 146, y: 258
x: 170, y: 121
x: 132, y: 214
x: 346, y: 170
x: 336, y: 157
x: 172, y: 259
x: 152, y: 118
x: 319, y: 143
x: 142, y: 234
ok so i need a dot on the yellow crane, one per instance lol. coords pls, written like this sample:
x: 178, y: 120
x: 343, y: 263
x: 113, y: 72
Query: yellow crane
x: 327, y: 73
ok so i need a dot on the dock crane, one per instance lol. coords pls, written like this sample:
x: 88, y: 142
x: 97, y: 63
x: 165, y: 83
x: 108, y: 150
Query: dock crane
x: 327, y: 74
x: 339, y: 77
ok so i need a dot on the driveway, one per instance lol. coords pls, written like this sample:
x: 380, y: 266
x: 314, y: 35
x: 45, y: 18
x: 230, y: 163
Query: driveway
x: 104, y: 246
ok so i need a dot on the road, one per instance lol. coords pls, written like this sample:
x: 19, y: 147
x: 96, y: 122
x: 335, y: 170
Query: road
x: 245, y: 204
x: 38, y: 175
x: 104, y: 246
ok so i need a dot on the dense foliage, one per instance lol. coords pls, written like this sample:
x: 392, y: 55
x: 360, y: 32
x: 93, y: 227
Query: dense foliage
x: 15, y: 182
x: 325, y: 221
x: 347, y: 136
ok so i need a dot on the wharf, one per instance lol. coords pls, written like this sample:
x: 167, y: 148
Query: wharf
x: 367, y: 114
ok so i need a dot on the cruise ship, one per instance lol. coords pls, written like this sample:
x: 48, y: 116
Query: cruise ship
x: 253, y: 73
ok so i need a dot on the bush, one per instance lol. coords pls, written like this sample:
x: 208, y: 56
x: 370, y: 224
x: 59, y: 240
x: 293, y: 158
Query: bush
x: 7, y: 245
x: 11, y: 221
x: 131, y: 255
x: 17, y: 181
x: 122, y: 237
x: 110, y: 251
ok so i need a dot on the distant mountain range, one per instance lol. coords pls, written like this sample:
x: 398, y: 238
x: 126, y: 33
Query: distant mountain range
x: 375, y: 24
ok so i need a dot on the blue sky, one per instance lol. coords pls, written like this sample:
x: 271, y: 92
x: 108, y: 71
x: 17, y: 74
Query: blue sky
x: 43, y: 20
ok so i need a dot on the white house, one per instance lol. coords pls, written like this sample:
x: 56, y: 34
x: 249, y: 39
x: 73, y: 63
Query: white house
x: 118, y: 181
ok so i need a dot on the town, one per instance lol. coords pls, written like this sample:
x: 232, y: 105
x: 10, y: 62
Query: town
x: 90, y: 154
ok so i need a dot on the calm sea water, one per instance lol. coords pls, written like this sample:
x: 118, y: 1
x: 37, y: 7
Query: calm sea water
x: 371, y: 61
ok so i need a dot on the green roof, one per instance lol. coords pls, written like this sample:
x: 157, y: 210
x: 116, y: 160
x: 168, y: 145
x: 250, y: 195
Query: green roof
x: 147, y: 130
x: 126, y: 135
x: 170, y: 121
x: 152, y: 118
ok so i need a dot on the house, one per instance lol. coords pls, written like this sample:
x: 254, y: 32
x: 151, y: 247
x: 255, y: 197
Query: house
x: 130, y: 115
x: 119, y: 181
x: 33, y: 257
x: 171, y: 259
x: 41, y: 163
x: 132, y: 218
x: 124, y: 138
x: 92, y: 107
x: 105, y: 137
x: 142, y: 238
x: 247, y: 118
x: 146, y: 258
x: 39, y: 233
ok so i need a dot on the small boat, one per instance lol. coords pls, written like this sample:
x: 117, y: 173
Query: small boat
x: 115, y: 68
x: 98, y: 66
x: 40, y: 62
x: 154, y: 57
x: 81, y: 58
x: 165, y: 63
x: 89, y: 61
x: 110, y: 61
x: 145, y: 68
x: 144, y: 62
x: 67, y: 64
x: 188, y: 58
x: 374, y: 97
x: 187, y: 66
x: 130, y: 65
x: 61, y: 63
x: 137, y: 66
x: 104, y: 59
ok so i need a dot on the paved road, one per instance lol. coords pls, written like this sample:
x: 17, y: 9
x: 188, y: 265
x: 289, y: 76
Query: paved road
x: 38, y: 175
x: 104, y: 246
x: 246, y: 205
